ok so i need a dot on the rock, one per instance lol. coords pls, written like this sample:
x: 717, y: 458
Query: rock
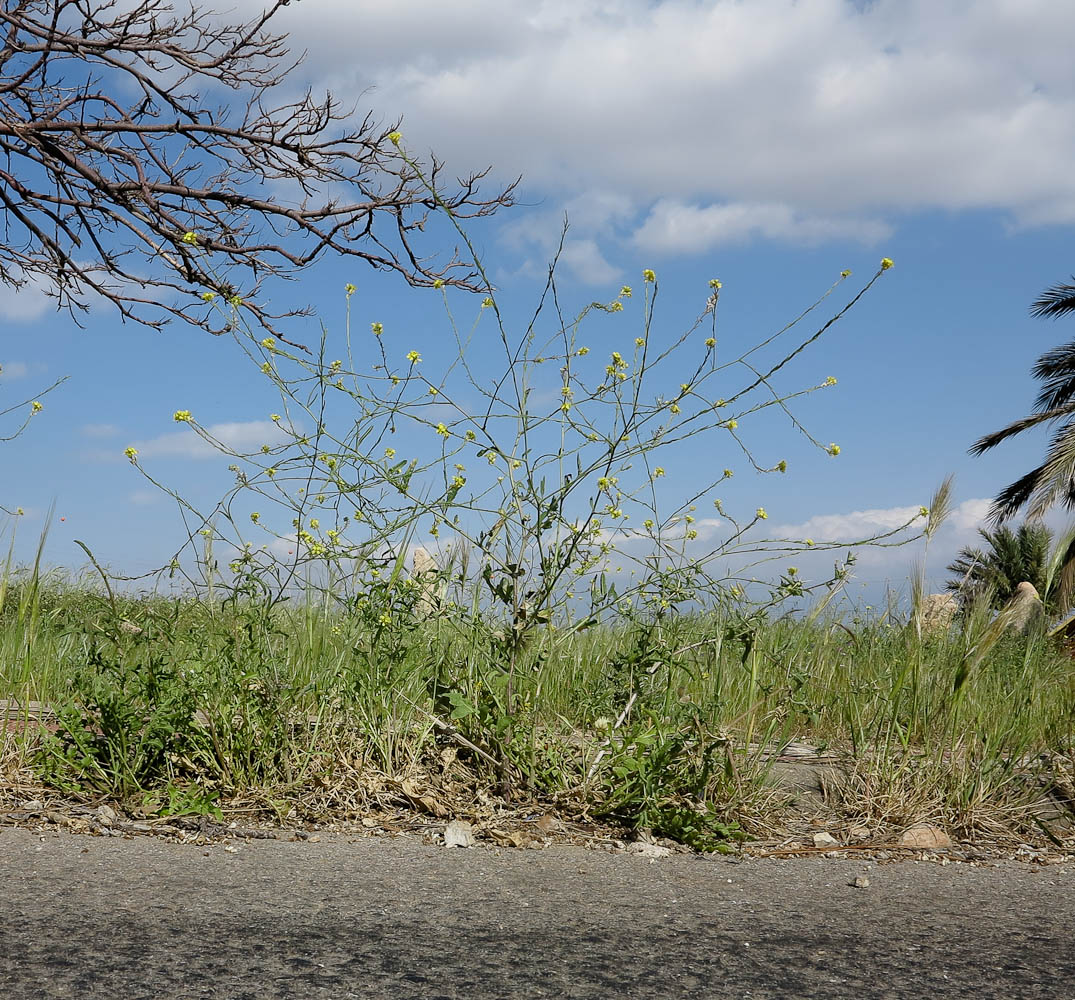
x: 106, y: 816
x: 548, y: 824
x: 1024, y: 608
x: 925, y: 835
x: 861, y: 882
x: 825, y: 840
x: 426, y: 574
x: 648, y: 850
x: 459, y: 833
x: 859, y: 832
x: 937, y: 612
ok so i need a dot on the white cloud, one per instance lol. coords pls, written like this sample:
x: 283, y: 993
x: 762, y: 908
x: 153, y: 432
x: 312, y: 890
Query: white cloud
x: 785, y: 119
x: 142, y: 498
x: 99, y: 430
x: 239, y: 436
x: 11, y: 370
x: 25, y: 305
x: 850, y: 527
x: 676, y: 227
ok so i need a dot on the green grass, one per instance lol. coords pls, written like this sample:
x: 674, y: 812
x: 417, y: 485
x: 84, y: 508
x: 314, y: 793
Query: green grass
x: 187, y: 705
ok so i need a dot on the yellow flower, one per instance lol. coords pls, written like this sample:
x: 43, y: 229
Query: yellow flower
x: 208, y: 296
x: 615, y: 307
x: 648, y: 275
x: 390, y: 453
x: 36, y: 407
x: 131, y: 453
x: 434, y: 391
x: 442, y: 430
x: 565, y: 407
x: 626, y: 291
x: 235, y: 301
x: 923, y: 512
x: 833, y: 449
x: 191, y: 239
x: 255, y: 517
x: 349, y: 289
x: 266, y: 368
x: 731, y: 424
x: 414, y: 357
x: 658, y: 472
x: 782, y: 465
x: 582, y: 351
x: 728, y: 473
x: 809, y: 542
x: 715, y: 284
x: 438, y: 282
x: 760, y: 513
x: 640, y: 341
x: 886, y: 263
x: 830, y: 381
x: 487, y: 302
x: 458, y: 480
x: 181, y: 416
x: 845, y: 273
x: 377, y: 328
x: 674, y: 408
x: 269, y: 344
x: 648, y: 524
x: 395, y: 138
x: 265, y: 449
x: 315, y: 523
x: 274, y: 417
x: 470, y: 436
x: 710, y: 341
x: 270, y: 472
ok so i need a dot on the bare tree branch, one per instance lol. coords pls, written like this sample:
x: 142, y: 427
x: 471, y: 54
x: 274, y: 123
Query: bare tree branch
x: 110, y: 158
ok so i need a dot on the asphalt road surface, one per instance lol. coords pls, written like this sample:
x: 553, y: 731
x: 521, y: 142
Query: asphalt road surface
x: 138, y: 918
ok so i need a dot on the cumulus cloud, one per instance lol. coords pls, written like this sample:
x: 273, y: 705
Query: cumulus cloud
x: 24, y: 305
x: 777, y: 119
x: 11, y: 370
x: 676, y: 227
x: 238, y: 436
x: 99, y: 430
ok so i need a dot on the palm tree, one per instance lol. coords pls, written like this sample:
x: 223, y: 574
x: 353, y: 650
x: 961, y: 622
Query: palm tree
x: 1053, y: 481
x: 1011, y: 557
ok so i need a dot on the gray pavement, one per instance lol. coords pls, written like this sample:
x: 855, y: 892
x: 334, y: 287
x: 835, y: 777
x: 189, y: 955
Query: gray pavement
x: 138, y: 918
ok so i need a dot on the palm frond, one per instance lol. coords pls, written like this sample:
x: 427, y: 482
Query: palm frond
x: 983, y: 444
x: 1012, y: 497
x: 1057, y: 472
x: 1056, y: 368
x: 1055, y: 301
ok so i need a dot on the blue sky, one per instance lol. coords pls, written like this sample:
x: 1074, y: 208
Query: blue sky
x: 768, y: 143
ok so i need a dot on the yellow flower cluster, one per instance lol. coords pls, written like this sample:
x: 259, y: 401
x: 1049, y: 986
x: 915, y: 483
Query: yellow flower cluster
x: 181, y: 416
